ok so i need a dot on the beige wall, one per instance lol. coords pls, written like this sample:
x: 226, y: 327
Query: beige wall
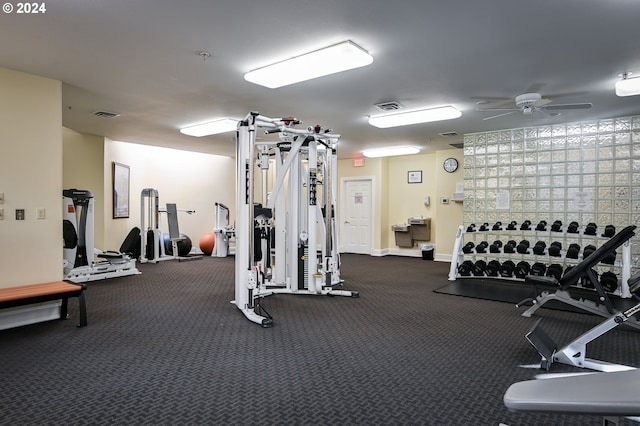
x: 397, y: 200
x: 82, y: 162
x: 30, y: 178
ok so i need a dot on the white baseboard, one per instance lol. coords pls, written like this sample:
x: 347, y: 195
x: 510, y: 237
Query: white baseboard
x: 408, y: 253
x: 23, y: 315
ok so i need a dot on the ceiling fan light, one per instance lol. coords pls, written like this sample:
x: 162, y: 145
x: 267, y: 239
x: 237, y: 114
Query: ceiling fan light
x: 628, y: 87
x: 414, y: 117
x: 211, y: 128
x: 390, y: 151
x: 329, y: 60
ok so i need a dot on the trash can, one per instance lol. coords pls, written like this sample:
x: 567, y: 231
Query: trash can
x: 427, y: 251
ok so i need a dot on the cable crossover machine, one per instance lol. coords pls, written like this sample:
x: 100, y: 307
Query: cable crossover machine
x: 286, y: 240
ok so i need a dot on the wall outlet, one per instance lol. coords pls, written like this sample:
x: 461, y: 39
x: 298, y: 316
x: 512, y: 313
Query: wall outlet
x: 19, y: 214
x: 444, y: 200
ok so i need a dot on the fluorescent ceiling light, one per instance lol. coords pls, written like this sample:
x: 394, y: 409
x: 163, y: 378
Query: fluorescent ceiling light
x: 329, y: 60
x: 211, y: 128
x: 388, y: 152
x: 628, y: 86
x: 414, y: 117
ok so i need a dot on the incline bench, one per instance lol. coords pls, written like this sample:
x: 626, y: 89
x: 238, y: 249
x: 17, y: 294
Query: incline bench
x: 37, y: 293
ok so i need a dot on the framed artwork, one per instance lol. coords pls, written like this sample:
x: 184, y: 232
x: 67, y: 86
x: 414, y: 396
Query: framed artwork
x: 120, y: 190
x: 414, y: 176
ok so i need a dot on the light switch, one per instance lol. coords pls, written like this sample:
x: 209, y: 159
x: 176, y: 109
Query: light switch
x: 19, y: 214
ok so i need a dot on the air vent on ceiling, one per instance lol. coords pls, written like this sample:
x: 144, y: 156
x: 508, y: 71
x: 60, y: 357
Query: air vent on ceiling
x: 458, y: 145
x: 106, y: 114
x: 389, y: 106
x: 449, y: 134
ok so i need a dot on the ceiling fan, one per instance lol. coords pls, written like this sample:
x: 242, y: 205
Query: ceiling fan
x: 528, y: 103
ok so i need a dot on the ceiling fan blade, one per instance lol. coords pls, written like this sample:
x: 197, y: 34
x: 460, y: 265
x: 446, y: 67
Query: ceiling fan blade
x: 497, y: 109
x: 499, y: 115
x: 567, y: 106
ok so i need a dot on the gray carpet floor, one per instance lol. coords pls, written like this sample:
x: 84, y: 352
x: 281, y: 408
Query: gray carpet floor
x: 168, y: 348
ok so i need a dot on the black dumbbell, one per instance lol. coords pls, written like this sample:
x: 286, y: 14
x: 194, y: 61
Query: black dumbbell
x: 555, y: 248
x: 573, y: 228
x: 523, y: 247
x: 510, y: 247
x: 526, y: 225
x: 522, y: 269
x: 495, y: 247
x: 468, y: 248
x: 556, y: 226
x: 590, y: 229
x: 465, y: 268
x: 482, y: 247
x: 471, y: 228
x: 497, y: 226
x: 541, y: 226
x: 609, y: 281
x: 573, y: 251
x: 538, y: 269
x: 539, y: 247
x: 478, y: 268
x: 506, y: 269
x: 611, y: 258
x: 484, y: 227
x: 512, y: 225
x: 493, y: 268
x: 609, y: 231
x: 555, y: 270
x: 588, y: 250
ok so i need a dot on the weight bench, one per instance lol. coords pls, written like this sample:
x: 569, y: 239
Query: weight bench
x: 45, y: 292
x: 570, y: 278
x: 611, y: 395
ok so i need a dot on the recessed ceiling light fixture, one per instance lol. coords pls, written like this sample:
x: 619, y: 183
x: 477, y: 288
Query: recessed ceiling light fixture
x: 222, y: 125
x: 329, y: 60
x: 628, y: 86
x: 391, y: 151
x: 414, y: 117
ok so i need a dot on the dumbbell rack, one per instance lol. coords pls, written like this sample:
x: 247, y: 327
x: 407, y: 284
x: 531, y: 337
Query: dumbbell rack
x: 621, y: 266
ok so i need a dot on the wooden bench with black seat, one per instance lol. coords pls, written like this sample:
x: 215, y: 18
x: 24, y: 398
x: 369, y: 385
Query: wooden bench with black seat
x: 45, y: 292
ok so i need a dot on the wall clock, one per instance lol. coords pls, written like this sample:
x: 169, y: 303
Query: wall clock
x: 450, y: 165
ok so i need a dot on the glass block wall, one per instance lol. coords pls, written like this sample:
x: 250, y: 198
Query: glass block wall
x: 583, y: 172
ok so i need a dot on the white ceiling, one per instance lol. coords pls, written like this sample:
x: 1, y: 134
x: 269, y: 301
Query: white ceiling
x: 140, y: 59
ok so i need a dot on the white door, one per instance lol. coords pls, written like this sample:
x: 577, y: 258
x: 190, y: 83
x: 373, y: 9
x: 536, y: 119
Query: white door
x: 357, y: 216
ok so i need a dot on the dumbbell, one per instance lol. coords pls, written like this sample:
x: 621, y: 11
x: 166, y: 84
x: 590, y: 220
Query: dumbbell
x: 510, y: 247
x: 556, y: 226
x: 522, y: 269
x: 555, y: 270
x: 590, y: 229
x: 484, y: 227
x: 539, y: 247
x: 609, y: 231
x: 506, y: 269
x: 538, y: 269
x: 512, y: 225
x: 526, y: 225
x: 471, y: 228
x: 493, y: 268
x: 555, y: 248
x: 586, y: 282
x: 478, y: 268
x: 609, y: 281
x: 465, y: 268
x: 523, y: 247
x: 573, y: 251
x: 482, y: 247
x: 573, y: 228
x: 588, y: 250
x: 541, y: 226
x: 495, y: 247
x: 468, y: 248
x: 611, y: 258
x: 497, y: 226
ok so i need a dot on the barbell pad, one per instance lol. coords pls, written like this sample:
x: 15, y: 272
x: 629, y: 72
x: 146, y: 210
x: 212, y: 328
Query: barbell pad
x: 506, y: 269
x: 522, y: 269
x: 538, y: 269
x: 493, y: 268
x: 609, y: 281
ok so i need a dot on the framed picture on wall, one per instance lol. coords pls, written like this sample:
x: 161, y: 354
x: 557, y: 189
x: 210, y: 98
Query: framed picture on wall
x: 120, y: 190
x: 414, y: 176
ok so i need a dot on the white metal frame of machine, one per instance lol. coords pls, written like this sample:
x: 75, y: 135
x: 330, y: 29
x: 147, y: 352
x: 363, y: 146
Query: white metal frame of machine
x: 287, y: 241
